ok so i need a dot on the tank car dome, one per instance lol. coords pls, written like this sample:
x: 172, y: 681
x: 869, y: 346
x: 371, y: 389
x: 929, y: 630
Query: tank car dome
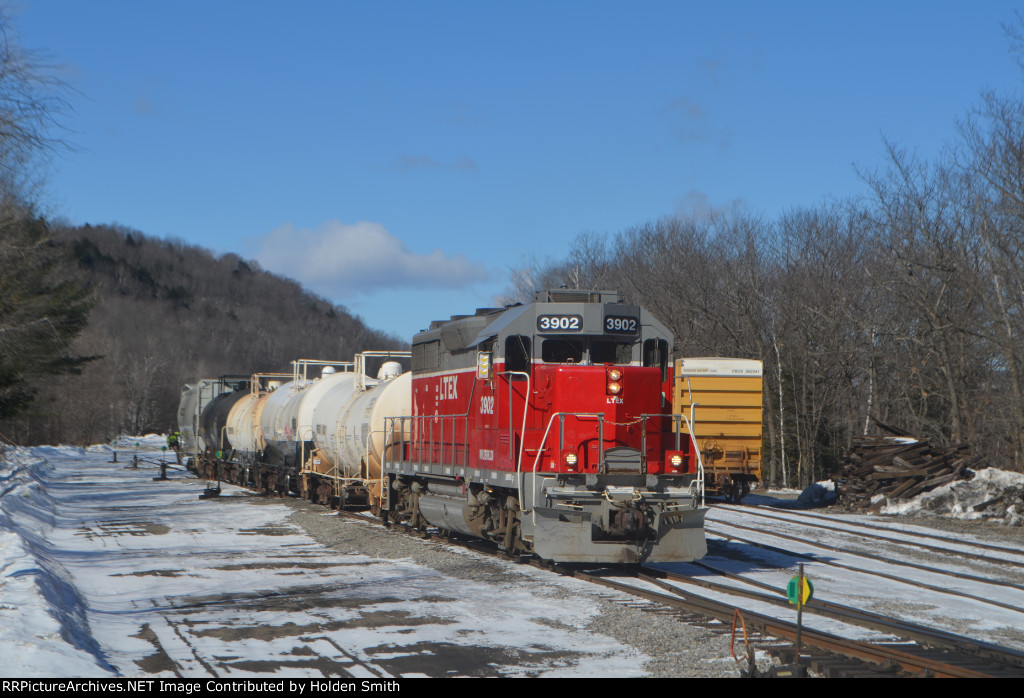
x: 328, y: 370
x: 390, y: 369
x: 273, y: 385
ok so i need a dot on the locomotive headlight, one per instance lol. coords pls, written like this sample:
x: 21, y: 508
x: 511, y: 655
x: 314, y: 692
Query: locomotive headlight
x: 612, y: 378
x: 570, y: 459
x: 677, y: 461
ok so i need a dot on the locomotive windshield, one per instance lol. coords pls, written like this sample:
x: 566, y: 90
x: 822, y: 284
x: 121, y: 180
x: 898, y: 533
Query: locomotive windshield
x: 586, y: 350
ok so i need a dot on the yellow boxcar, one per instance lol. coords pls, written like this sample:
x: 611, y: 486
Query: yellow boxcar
x: 727, y: 419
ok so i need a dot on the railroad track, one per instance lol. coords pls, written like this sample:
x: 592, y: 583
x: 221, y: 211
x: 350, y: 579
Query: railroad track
x: 1002, y: 555
x: 907, y: 649
x: 899, y: 648
x: 896, y: 567
x: 963, y: 658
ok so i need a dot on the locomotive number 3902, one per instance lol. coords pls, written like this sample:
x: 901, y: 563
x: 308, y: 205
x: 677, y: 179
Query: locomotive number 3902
x: 559, y: 323
x: 625, y: 325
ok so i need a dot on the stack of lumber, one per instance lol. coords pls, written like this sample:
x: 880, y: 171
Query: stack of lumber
x: 899, y: 469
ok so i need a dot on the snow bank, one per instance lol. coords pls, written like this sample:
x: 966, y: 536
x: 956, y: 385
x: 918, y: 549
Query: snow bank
x: 819, y: 494
x: 992, y: 494
x: 43, y: 622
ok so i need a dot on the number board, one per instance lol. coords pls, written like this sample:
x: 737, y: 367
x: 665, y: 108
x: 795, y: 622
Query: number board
x: 621, y: 325
x: 559, y: 323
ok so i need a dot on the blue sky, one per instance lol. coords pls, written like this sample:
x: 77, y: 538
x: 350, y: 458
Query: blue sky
x: 399, y: 158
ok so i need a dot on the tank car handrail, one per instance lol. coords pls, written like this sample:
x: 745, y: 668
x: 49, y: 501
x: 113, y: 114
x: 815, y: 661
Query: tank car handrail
x: 254, y: 382
x: 346, y: 366
x: 360, y: 363
x: 302, y: 444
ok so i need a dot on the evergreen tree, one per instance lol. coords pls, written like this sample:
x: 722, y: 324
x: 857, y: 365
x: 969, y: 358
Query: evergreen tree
x: 41, y: 311
x: 41, y: 308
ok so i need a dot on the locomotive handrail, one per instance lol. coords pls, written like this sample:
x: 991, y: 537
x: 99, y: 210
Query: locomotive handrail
x: 696, y: 448
x: 522, y: 432
x: 465, y: 435
x: 600, y: 419
x: 676, y: 418
x: 561, y: 442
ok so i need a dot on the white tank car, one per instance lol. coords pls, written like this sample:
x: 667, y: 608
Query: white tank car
x: 349, y: 424
x: 278, y: 422
x: 242, y: 431
x: 302, y: 405
x: 286, y: 419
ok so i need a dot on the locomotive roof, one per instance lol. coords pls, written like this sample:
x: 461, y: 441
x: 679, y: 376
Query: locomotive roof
x: 463, y: 332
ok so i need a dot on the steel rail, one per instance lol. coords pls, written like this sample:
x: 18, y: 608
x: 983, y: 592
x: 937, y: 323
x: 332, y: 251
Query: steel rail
x: 864, y: 651
x: 879, y: 558
x: 918, y: 544
x: 879, y: 527
x: 854, y: 616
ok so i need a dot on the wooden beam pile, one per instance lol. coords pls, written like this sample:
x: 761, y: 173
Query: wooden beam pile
x: 899, y: 470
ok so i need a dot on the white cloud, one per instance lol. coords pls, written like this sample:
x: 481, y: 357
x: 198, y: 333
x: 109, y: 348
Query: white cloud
x: 340, y: 260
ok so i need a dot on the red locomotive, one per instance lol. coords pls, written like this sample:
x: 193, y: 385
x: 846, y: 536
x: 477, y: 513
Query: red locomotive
x: 548, y: 428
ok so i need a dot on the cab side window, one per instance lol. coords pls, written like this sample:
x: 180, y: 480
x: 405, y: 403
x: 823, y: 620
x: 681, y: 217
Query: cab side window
x: 656, y: 354
x: 517, y: 353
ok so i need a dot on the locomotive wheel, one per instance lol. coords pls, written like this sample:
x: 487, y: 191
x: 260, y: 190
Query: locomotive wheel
x: 513, y: 544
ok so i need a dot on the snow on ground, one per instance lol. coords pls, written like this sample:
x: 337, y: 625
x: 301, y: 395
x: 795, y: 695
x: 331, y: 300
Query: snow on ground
x: 106, y: 572
x: 991, y: 494
x: 980, y: 598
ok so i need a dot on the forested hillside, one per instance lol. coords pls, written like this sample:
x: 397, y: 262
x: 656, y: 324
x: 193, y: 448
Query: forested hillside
x: 168, y: 313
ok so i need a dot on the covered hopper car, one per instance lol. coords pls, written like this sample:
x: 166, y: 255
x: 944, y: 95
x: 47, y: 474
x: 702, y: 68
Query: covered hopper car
x: 545, y: 427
